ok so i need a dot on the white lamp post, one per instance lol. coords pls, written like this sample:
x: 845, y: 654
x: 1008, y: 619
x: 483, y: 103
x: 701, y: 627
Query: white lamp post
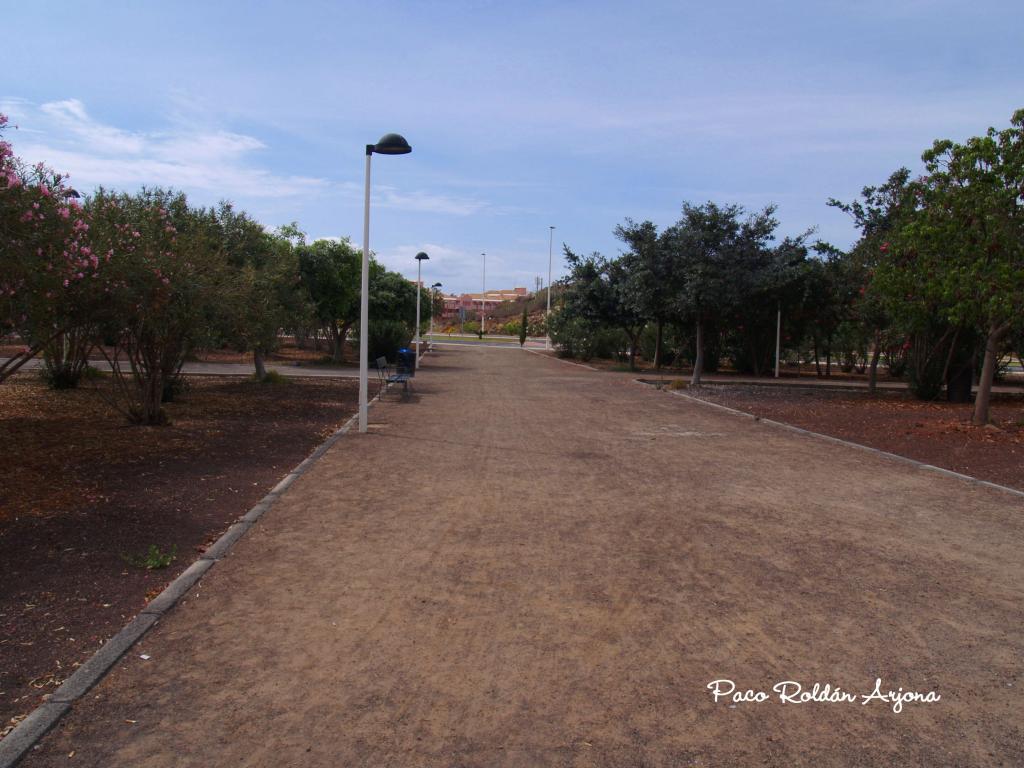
x: 389, y: 144
x: 420, y: 258
x: 547, y: 315
x: 483, y: 297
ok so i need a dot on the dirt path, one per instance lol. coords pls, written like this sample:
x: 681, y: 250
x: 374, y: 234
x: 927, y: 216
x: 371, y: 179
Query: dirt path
x: 534, y: 564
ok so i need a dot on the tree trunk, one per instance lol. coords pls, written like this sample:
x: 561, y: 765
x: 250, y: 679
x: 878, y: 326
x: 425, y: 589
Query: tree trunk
x: 817, y: 359
x: 873, y: 370
x: 633, y: 341
x: 698, y: 362
x: 152, y: 398
x: 828, y: 357
x: 257, y: 360
x: 342, y: 336
x: 988, y: 373
x: 337, y: 343
x: 657, y: 345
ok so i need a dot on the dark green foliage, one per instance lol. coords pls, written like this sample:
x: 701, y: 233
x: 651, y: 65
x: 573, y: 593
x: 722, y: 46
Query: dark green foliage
x: 330, y: 272
x: 599, y: 294
x: 387, y: 337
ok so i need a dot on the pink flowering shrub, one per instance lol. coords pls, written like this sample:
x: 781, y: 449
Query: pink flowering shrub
x: 46, y: 263
x: 163, y: 268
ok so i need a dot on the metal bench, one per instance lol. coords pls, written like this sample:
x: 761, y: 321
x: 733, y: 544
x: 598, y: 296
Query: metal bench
x: 400, y: 375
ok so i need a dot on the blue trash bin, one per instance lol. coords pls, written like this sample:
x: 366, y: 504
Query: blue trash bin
x: 406, y: 362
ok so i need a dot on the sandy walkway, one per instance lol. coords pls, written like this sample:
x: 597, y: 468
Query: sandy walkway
x: 534, y: 564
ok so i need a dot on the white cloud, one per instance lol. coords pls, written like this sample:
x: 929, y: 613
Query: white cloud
x: 64, y: 136
x: 420, y: 201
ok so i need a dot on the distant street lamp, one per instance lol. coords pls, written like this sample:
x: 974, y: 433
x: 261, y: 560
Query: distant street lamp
x: 547, y: 315
x: 389, y: 144
x: 420, y: 258
x: 433, y: 288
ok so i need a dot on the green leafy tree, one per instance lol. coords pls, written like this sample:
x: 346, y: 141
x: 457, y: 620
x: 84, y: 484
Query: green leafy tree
x: 879, y: 212
x: 600, y: 294
x: 773, y: 281
x: 262, y: 271
x: 718, y: 252
x: 967, y: 240
x: 330, y: 273
x: 653, y: 270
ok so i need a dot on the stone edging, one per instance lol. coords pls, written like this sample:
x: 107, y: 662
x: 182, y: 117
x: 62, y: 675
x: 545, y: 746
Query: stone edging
x: 840, y: 441
x: 561, y: 360
x: 29, y: 731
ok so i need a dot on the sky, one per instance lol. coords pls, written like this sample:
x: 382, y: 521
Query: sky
x: 522, y: 115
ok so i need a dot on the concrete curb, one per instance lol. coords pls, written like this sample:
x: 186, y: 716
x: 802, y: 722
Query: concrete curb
x: 840, y: 441
x: 561, y: 360
x: 29, y: 731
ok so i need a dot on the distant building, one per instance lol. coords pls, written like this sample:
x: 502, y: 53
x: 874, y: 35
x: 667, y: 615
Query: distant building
x: 471, y: 302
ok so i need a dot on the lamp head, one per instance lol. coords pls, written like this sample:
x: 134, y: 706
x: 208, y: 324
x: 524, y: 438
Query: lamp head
x: 390, y: 144
x: 421, y: 256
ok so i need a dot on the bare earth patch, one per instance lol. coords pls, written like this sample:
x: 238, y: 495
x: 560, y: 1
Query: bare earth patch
x: 83, y: 492
x: 527, y: 563
x: 937, y: 433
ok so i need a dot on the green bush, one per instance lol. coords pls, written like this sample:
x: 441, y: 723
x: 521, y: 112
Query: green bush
x: 387, y: 337
x: 577, y: 338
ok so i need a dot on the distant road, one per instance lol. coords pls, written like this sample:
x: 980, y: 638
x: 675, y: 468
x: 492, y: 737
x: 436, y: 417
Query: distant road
x: 489, y: 340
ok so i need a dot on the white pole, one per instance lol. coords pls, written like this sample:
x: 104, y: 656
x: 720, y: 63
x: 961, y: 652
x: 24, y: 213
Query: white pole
x: 483, y: 294
x: 364, y: 306
x: 547, y: 315
x: 778, y: 338
x: 419, y: 290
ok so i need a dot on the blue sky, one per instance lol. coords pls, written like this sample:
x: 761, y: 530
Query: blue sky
x: 521, y: 114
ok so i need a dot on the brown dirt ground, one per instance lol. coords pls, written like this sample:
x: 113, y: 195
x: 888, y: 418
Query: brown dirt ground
x: 82, y: 489
x: 531, y: 564
x: 286, y: 353
x: 937, y: 433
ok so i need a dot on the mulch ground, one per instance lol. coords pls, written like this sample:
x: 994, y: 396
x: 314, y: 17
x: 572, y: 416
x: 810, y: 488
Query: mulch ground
x: 83, y: 493
x: 937, y: 433
x: 287, y: 353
